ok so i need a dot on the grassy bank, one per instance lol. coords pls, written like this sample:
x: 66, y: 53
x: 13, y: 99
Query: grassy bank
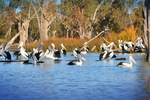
x: 70, y: 44
x: 129, y: 34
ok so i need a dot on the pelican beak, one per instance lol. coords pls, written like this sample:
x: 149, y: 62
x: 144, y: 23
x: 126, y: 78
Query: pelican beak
x: 82, y: 58
x: 133, y: 60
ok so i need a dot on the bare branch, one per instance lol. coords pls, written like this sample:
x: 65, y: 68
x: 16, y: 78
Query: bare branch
x: 13, y: 39
x: 93, y: 38
x: 96, y: 11
x: 39, y: 24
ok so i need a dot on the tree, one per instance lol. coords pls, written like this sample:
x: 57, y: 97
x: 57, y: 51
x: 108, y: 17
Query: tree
x: 148, y: 26
x: 79, y: 16
x: 48, y: 14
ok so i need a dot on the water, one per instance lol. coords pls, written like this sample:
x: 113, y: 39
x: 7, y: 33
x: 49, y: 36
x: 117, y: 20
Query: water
x: 95, y: 80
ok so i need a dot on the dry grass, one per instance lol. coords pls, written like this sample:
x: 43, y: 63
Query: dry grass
x: 129, y: 34
x: 70, y: 44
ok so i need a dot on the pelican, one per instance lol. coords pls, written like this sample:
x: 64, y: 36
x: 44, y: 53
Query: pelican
x: 50, y: 53
x: 63, y: 50
x: 103, y: 55
x: 110, y: 54
x: 139, y: 46
x: 5, y: 53
x: 120, y: 45
x: 130, y: 44
x: 56, y: 52
x: 38, y: 54
x: 41, y: 53
x: 125, y: 47
x: 86, y: 50
x: 22, y: 51
x: 103, y: 46
x: 76, y: 52
x: 124, y: 64
x: 79, y: 62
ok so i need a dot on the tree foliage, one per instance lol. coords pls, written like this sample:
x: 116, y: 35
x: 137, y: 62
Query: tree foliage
x: 73, y: 17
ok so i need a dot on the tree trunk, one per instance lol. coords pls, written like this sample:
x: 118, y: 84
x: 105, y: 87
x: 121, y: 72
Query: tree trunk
x: 89, y: 35
x: 148, y: 22
x: 24, y: 35
x: 81, y: 33
x: 147, y: 30
x: 71, y: 34
x: 67, y: 35
x: 43, y: 28
x: 145, y: 35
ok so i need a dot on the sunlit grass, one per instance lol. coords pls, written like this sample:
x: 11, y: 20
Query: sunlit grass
x: 71, y: 43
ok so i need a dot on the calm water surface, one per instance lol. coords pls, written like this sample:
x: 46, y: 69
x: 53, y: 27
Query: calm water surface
x: 95, y: 80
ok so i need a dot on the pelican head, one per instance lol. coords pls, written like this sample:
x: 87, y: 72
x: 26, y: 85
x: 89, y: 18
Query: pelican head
x: 20, y: 45
x: 53, y: 45
x: 120, y: 41
x: 35, y: 50
x: 130, y: 57
x: 138, y: 38
x: 63, y: 46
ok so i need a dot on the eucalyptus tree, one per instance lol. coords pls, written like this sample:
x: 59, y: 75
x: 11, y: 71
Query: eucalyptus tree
x: 21, y: 12
x: 79, y: 16
x: 146, y: 26
x: 47, y: 14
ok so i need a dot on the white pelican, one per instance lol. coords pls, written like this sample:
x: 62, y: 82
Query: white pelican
x: 22, y: 51
x: 63, y: 50
x: 79, y: 62
x: 76, y: 52
x: 56, y: 52
x: 124, y: 64
x: 5, y: 53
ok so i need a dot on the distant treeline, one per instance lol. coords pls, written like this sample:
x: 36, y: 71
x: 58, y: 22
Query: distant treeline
x: 46, y: 19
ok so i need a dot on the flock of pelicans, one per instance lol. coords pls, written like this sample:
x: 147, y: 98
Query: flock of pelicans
x: 54, y: 54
